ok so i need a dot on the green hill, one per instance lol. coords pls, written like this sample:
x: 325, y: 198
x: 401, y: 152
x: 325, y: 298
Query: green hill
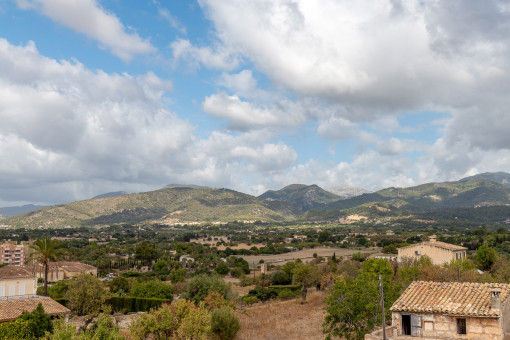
x: 497, y: 177
x: 305, y: 197
x: 167, y: 205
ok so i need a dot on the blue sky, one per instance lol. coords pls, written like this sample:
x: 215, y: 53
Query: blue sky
x: 99, y: 96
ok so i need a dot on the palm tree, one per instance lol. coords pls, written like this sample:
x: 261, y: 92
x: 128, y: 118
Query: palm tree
x: 44, y: 252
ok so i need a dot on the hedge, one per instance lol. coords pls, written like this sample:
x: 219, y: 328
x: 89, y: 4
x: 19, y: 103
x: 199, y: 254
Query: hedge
x: 293, y: 288
x: 14, y: 330
x: 134, y: 304
x: 127, y: 304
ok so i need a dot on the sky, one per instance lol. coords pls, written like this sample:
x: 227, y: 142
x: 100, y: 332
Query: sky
x: 110, y: 95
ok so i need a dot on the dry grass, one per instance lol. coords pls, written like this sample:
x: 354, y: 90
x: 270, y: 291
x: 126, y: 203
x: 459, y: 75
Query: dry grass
x: 281, y: 320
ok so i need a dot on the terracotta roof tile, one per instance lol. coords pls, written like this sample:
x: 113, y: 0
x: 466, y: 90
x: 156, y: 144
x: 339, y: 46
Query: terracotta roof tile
x: 10, y: 310
x: 15, y: 272
x: 452, y: 298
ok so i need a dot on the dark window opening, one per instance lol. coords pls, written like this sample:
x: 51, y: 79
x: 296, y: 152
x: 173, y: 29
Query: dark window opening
x: 461, y: 326
x: 406, y: 324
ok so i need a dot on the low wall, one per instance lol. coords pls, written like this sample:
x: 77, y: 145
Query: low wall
x: 391, y: 331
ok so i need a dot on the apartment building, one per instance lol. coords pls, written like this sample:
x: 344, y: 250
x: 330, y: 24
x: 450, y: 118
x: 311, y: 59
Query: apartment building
x: 13, y: 254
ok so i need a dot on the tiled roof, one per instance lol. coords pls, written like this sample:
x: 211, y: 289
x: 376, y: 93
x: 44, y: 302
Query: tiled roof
x: 452, y: 298
x: 10, y: 310
x: 72, y: 266
x: 15, y: 272
x: 68, y: 266
x: 437, y: 244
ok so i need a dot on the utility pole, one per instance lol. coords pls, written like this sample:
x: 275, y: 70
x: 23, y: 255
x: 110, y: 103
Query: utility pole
x: 381, y: 293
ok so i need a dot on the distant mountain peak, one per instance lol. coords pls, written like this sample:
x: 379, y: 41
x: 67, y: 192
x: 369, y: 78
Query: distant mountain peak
x: 111, y: 194
x: 496, y: 177
x: 347, y: 191
x: 303, y: 196
x: 192, y: 186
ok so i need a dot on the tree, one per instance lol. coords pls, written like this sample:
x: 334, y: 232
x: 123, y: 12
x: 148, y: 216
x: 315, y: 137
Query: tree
x: 152, y: 289
x: 486, y: 256
x: 354, y: 304
x: 146, y: 251
x: 161, y: 265
x: 119, y: 283
x: 306, y: 274
x: 222, y: 268
x: 38, y: 322
x: 324, y: 236
x: 280, y: 277
x: 201, y: 285
x: 44, y: 251
x: 86, y: 295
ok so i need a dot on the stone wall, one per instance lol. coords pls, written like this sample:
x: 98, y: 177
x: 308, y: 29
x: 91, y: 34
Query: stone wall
x: 445, y: 327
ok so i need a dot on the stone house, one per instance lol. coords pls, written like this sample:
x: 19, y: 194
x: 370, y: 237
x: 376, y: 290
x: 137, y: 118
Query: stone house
x: 439, y: 252
x: 64, y: 270
x: 451, y: 310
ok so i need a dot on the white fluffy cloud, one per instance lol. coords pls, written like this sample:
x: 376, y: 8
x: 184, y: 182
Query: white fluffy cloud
x: 89, y: 18
x: 69, y: 133
x: 219, y: 58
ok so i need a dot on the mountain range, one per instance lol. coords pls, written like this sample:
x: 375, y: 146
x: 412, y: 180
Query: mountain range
x: 296, y: 202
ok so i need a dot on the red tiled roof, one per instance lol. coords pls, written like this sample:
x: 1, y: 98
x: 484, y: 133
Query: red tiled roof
x: 16, y: 272
x: 451, y: 298
x: 10, y: 310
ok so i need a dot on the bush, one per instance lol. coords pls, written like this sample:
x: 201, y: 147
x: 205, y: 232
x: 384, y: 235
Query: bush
x: 180, y: 287
x: 119, y: 284
x: 280, y: 278
x: 249, y: 299
x: 286, y: 294
x: 201, y: 285
x: 13, y: 330
x: 263, y: 293
x: 178, y: 275
x: 224, y: 323
x: 160, y: 265
x: 182, y: 320
x: 152, y: 289
x: 222, y: 268
x: 237, y: 272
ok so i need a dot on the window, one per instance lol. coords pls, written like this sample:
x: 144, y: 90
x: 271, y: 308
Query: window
x: 461, y: 326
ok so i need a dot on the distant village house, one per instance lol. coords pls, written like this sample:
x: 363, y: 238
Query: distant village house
x: 64, y: 270
x: 439, y: 252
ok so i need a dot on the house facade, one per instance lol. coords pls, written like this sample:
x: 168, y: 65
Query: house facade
x: 439, y: 252
x: 451, y: 310
x: 64, y: 270
x: 16, y: 282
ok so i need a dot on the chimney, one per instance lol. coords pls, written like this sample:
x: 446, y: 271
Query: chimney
x: 432, y: 238
x: 496, y: 298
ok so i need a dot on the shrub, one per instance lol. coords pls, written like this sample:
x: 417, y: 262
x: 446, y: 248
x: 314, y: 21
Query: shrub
x: 263, y: 293
x: 160, y: 265
x: 280, y: 278
x: 237, y: 272
x: 152, y: 289
x: 286, y: 294
x: 222, y: 268
x: 180, y: 287
x: 201, y: 285
x: 13, y: 330
x: 249, y: 299
x: 178, y: 275
x: 224, y: 323
x: 119, y: 283
x: 182, y: 320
